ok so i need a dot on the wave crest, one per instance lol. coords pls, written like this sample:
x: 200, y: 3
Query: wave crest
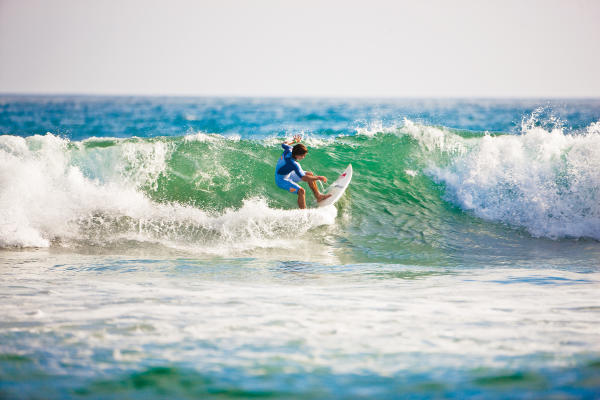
x: 94, y: 193
x: 543, y: 180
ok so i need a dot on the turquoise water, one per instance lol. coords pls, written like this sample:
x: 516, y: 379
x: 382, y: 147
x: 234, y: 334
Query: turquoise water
x: 147, y: 253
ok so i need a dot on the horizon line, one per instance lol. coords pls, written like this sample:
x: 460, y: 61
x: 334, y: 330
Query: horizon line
x: 292, y: 96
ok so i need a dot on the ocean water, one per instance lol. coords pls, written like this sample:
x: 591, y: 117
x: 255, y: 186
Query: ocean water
x: 145, y: 251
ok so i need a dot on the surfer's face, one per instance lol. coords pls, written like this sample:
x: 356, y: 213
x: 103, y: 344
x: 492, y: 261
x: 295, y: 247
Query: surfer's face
x: 300, y: 157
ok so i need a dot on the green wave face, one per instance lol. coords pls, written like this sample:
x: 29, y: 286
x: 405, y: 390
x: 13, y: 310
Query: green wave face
x: 220, y: 173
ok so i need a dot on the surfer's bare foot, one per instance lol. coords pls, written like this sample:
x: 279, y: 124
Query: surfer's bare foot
x: 322, y: 197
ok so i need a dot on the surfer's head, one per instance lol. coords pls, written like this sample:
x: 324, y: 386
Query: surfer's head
x: 299, y: 151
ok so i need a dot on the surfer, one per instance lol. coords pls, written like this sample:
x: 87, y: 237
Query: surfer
x: 288, y: 172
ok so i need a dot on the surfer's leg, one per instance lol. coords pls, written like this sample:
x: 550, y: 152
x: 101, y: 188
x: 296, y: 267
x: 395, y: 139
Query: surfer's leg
x: 315, y: 189
x: 313, y: 186
x: 292, y: 187
x: 301, y: 198
x: 287, y: 184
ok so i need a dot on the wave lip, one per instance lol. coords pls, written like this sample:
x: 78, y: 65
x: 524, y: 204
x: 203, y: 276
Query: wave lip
x: 543, y: 180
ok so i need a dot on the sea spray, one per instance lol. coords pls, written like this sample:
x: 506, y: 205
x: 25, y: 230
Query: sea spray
x: 545, y: 181
x: 89, y: 193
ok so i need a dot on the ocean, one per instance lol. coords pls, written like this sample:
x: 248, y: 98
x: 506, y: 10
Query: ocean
x: 146, y: 252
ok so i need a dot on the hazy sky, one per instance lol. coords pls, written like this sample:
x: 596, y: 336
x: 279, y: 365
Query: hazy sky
x: 301, y: 48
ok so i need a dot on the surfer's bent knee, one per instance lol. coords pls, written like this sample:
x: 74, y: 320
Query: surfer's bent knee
x: 308, y: 173
x: 301, y: 192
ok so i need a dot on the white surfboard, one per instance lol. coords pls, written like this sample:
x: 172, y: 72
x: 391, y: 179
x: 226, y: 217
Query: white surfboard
x: 337, y: 188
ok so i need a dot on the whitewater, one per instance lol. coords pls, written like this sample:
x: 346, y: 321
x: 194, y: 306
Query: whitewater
x: 146, y: 250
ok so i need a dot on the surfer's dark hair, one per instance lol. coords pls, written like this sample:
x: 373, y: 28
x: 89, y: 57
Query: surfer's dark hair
x: 299, y: 149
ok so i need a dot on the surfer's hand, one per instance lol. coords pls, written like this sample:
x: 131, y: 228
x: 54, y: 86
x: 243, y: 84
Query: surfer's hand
x: 322, y: 178
x: 297, y: 138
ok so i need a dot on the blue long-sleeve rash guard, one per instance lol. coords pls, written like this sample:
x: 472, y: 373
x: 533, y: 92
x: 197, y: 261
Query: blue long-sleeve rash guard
x: 287, y: 163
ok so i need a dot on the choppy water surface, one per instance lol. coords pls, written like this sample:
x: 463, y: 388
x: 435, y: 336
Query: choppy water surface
x: 147, y: 253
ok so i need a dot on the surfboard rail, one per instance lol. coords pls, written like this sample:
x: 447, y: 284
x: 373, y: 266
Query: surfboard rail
x: 337, y: 188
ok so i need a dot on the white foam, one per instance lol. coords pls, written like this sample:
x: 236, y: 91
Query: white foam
x: 211, y: 137
x: 434, y: 138
x: 543, y: 180
x: 375, y: 127
x: 42, y: 193
x: 52, y: 190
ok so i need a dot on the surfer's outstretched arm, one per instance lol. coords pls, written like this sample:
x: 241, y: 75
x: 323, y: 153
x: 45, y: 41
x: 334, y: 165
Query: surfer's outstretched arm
x: 296, y: 139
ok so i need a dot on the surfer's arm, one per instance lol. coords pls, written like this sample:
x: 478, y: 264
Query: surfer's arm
x: 312, y: 178
x: 286, y: 147
x: 296, y: 139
